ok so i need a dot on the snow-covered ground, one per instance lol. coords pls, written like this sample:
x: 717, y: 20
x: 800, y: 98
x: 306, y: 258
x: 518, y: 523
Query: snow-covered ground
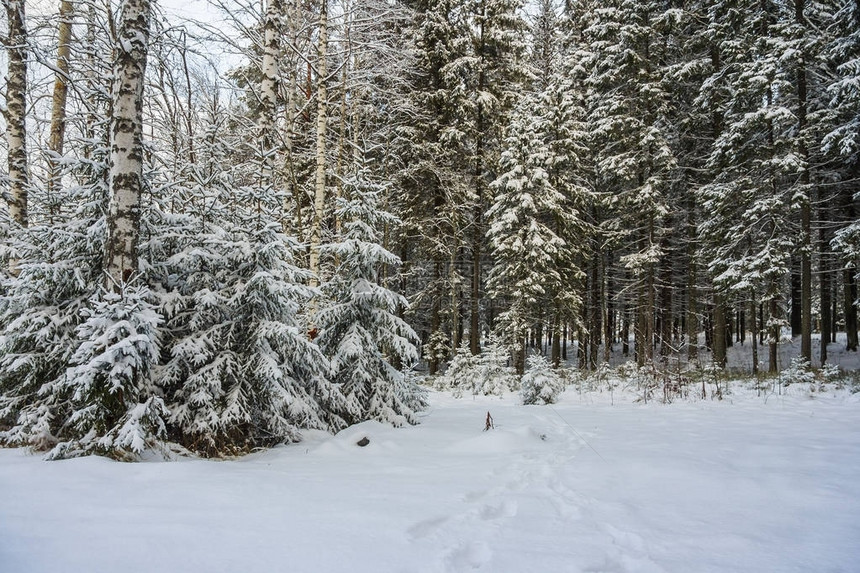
x: 748, y: 484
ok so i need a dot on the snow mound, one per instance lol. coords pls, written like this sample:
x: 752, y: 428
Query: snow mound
x: 499, y: 440
x: 381, y: 437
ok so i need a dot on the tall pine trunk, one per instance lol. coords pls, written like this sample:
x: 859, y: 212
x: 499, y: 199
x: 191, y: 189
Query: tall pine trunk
x: 555, y: 353
x: 477, y: 236
x: 773, y: 342
x: 719, y: 330
x: 754, y: 326
x: 850, y: 310
x: 435, y: 319
x: 126, y: 146
x: 795, y: 318
x: 849, y: 284
x: 824, y: 277
x: 806, y: 205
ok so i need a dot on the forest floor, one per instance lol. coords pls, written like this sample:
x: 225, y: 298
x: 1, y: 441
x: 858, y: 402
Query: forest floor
x: 739, y: 356
x: 600, y: 482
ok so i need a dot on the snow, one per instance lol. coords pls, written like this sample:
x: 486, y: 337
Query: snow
x: 750, y: 483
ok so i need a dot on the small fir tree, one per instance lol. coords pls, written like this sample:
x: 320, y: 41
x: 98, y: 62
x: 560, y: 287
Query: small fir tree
x: 115, y: 407
x: 541, y: 384
x: 359, y: 329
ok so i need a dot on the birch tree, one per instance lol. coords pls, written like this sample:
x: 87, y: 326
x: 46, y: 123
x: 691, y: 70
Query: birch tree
x: 16, y: 111
x: 126, y: 147
x: 60, y: 96
x: 322, y: 124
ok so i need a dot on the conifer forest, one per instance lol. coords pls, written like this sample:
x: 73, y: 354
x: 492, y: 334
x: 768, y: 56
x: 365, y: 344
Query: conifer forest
x: 285, y: 214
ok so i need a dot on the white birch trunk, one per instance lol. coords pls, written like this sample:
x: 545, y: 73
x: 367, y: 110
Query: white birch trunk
x: 319, y: 186
x: 61, y: 88
x: 16, y: 107
x: 292, y: 204
x: 126, y: 146
x: 269, y: 86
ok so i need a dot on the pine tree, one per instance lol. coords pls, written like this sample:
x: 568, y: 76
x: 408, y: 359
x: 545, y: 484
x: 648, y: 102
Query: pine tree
x: 42, y: 307
x: 241, y: 371
x: 115, y: 406
x: 493, y: 72
x: 535, y: 223
x: 433, y: 148
x: 541, y: 384
x: 753, y: 225
x: 843, y: 145
x: 627, y: 105
x: 367, y: 343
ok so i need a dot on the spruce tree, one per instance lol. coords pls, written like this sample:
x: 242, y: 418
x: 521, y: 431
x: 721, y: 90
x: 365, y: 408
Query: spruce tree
x: 360, y: 332
x: 535, y: 222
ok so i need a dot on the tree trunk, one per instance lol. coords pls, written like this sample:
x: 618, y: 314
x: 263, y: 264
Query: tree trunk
x: 834, y: 312
x: 293, y: 196
x: 719, y: 331
x: 795, y: 317
x: 640, y: 333
x: 648, y: 315
x: 594, y: 328
x: 824, y: 279
x: 625, y: 330
x: 556, y: 337
x: 520, y: 355
x: 564, y: 337
x: 666, y: 314
x: 322, y: 122
x: 477, y: 242
x: 805, y: 208
x: 454, y: 280
x: 435, y: 319
x: 126, y: 149
x: 754, y: 331
x: 581, y: 349
x: 269, y: 86
x: 806, y: 277
x: 61, y: 89
x: 850, y: 310
x: 773, y: 343
x: 692, y: 319
x: 16, y: 112
x: 607, y: 310
x: 478, y: 230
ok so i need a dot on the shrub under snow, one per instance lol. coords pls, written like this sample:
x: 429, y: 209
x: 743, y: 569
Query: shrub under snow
x: 486, y: 374
x: 541, y: 384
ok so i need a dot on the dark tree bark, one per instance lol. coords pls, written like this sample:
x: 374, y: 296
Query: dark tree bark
x: 435, y: 319
x: 719, y: 331
x: 556, y: 337
x: 754, y: 332
x: 850, y: 310
x: 825, y: 277
x: 795, y: 317
x: 773, y: 367
x: 806, y: 205
x: 849, y: 284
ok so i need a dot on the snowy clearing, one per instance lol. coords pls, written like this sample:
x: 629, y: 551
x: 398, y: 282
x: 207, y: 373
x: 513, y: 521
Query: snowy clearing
x: 746, y: 484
